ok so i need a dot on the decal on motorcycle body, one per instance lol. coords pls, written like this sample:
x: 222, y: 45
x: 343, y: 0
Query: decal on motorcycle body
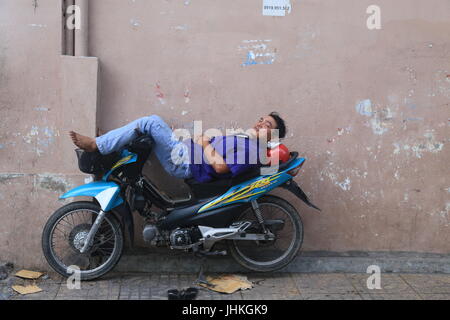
x: 127, y: 157
x: 121, y: 162
x: 243, y: 192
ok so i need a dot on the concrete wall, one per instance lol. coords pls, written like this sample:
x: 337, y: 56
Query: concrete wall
x: 367, y: 108
x: 43, y: 95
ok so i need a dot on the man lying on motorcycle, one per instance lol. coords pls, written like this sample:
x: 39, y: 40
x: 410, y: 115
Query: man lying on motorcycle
x: 202, y: 158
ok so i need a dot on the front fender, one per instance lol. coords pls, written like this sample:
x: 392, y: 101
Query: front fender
x: 106, y: 193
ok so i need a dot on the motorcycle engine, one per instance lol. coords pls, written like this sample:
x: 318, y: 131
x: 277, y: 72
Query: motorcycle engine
x: 184, y: 238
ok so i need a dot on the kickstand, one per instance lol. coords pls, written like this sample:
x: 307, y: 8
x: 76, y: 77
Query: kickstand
x: 201, y: 276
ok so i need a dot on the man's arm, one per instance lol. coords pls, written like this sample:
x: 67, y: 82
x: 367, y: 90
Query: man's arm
x: 213, y: 157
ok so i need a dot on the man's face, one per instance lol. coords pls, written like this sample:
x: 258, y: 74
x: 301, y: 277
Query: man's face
x: 264, y: 125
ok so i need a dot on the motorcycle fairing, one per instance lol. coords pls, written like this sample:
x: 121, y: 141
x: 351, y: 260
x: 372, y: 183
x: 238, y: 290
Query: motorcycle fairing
x: 252, y: 189
x: 217, y: 218
x: 106, y: 193
x: 127, y: 158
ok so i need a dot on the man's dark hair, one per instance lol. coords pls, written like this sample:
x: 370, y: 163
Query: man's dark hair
x: 281, y: 126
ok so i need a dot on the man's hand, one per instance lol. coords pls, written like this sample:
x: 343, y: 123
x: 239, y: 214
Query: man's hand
x: 202, y: 140
x: 213, y: 157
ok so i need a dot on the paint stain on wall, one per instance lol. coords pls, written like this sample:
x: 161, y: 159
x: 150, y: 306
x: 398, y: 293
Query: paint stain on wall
x: 135, y: 23
x: 443, y: 214
x: 340, y: 132
x: 159, y: 94
x: 345, y: 185
x: 380, y: 117
x: 43, y: 109
x: 305, y: 41
x: 182, y: 27
x: 187, y: 97
x: 40, y: 138
x: 441, y: 84
x: 257, y: 52
x: 364, y: 108
x: 34, y: 25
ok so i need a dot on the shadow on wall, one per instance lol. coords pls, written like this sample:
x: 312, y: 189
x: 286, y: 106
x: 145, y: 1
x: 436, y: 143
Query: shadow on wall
x: 173, y: 187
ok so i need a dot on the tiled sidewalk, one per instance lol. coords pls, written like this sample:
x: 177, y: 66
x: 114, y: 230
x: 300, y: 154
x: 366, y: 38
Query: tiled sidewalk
x: 282, y: 286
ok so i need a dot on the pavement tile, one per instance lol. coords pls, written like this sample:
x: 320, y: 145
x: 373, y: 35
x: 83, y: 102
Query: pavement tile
x: 336, y: 283
x: 136, y: 287
x: 330, y: 296
x: 435, y: 296
x: 390, y: 296
x: 70, y: 297
x: 428, y: 283
x: 390, y: 283
x: 206, y: 294
x: 276, y: 286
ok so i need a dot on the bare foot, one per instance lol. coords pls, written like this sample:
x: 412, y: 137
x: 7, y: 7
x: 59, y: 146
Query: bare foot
x: 86, y: 143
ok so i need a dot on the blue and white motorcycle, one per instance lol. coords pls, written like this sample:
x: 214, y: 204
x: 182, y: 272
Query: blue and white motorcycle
x: 263, y: 232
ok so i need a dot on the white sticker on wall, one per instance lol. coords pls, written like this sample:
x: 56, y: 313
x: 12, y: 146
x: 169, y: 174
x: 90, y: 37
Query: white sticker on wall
x: 276, y: 8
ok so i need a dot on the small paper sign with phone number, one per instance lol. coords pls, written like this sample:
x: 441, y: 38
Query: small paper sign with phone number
x: 276, y: 8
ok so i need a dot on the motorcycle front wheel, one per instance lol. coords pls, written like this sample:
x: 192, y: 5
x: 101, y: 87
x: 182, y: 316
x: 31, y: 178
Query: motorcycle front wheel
x: 284, y: 222
x: 63, y: 238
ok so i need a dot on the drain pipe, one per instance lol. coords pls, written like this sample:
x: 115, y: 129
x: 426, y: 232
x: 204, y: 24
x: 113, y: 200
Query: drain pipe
x: 82, y: 34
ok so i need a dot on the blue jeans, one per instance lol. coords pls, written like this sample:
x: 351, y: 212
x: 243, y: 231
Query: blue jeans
x: 171, y: 153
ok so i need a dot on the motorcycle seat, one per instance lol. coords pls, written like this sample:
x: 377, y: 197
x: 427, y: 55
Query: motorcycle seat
x: 206, y: 190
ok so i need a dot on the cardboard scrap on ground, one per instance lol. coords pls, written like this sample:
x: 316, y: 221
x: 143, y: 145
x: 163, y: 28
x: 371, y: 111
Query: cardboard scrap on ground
x: 228, y: 283
x: 27, y: 289
x: 27, y: 274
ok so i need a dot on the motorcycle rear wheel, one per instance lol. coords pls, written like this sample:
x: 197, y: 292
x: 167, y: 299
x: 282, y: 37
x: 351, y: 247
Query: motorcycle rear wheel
x: 266, y: 256
x: 63, y: 235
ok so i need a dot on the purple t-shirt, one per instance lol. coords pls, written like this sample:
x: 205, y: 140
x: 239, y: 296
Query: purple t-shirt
x: 240, y: 155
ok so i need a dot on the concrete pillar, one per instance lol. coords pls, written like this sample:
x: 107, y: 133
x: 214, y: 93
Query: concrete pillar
x: 82, y: 34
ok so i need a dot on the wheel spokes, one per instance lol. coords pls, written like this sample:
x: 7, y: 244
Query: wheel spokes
x: 67, y: 238
x: 263, y: 251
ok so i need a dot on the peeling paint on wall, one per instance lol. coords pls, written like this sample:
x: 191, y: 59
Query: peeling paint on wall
x: 46, y: 181
x: 42, y: 109
x: 135, y: 23
x: 33, y: 25
x: 52, y: 182
x: 441, y: 83
x: 5, y: 177
x: 258, y: 52
x: 340, y: 132
x: 364, y: 108
x: 377, y: 126
x: 418, y: 148
x: 305, y: 41
x: 345, y: 185
x: 443, y: 214
x: 40, y: 138
x: 380, y: 117
x: 182, y: 27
